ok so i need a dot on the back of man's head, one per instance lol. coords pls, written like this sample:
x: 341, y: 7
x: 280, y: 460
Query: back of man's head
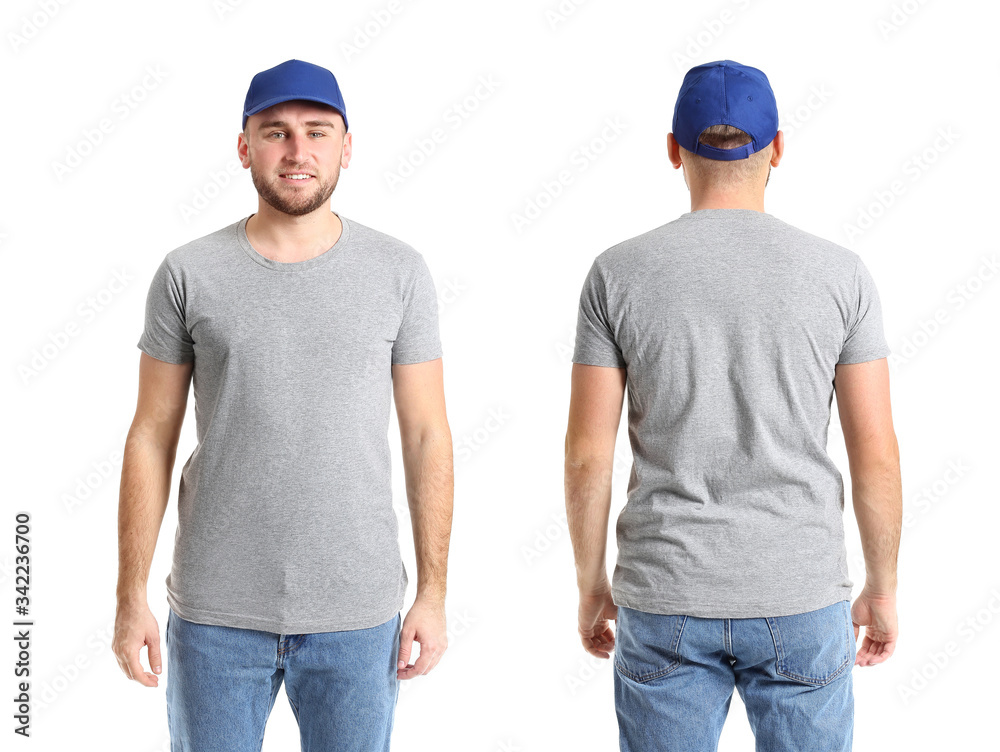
x: 725, y: 121
x: 730, y: 174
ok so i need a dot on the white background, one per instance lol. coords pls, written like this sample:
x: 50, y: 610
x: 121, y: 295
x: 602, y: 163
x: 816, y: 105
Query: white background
x: 864, y: 89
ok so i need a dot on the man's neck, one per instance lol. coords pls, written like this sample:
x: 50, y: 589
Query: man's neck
x: 721, y: 200
x: 287, y: 238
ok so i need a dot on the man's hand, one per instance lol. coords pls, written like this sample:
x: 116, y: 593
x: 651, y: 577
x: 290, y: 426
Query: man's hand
x: 876, y: 612
x: 424, y: 623
x: 136, y: 626
x: 596, y: 608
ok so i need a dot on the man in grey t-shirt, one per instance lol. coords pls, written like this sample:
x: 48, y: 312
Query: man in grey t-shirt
x: 298, y: 327
x: 732, y: 331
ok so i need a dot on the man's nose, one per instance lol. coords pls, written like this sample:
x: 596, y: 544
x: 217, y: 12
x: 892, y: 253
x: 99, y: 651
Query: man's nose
x: 297, y: 148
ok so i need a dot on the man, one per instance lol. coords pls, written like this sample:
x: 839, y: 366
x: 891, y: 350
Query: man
x: 732, y: 330
x: 295, y: 323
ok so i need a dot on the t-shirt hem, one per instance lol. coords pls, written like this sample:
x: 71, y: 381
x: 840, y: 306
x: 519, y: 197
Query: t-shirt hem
x: 165, y: 355
x: 729, y: 610
x: 864, y: 357
x: 412, y: 359
x: 277, y: 626
x: 596, y: 360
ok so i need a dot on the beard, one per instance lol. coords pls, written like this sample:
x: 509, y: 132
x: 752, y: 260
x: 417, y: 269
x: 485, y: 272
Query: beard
x: 295, y: 202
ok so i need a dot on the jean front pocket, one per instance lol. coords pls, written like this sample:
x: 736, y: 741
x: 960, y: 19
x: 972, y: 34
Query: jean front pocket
x: 647, y: 646
x: 813, y: 647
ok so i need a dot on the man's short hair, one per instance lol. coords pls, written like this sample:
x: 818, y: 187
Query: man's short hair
x: 721, y: 172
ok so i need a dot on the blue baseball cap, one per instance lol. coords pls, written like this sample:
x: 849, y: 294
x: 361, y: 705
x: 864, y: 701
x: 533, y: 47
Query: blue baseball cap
x: 293, y: 79
x: 725, y: 93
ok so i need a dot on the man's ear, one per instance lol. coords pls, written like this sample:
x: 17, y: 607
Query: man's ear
x: 348, y: 150
x: 777, y: 148
x: 673, y: 151
x: 243, y: 149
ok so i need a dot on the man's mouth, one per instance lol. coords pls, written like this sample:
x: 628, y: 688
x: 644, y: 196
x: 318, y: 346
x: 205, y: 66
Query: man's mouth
x: 296, y: 177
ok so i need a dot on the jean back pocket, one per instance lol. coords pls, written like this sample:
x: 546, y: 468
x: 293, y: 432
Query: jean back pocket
x: 813, y: 647
x: 647, y: 646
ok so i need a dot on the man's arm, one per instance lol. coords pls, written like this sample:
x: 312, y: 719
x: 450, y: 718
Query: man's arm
x: 418, y: 390
x: 873, y: 455
x: 595, y: 411
x: 148, y: 462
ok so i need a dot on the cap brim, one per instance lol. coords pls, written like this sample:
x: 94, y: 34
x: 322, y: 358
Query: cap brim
x: 260, y: 107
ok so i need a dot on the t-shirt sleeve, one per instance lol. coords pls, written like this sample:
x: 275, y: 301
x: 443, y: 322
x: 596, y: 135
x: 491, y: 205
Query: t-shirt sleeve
x: 165, y: 335
x: 418, y: 338
x: 595, y: 340
x: 865, y: 337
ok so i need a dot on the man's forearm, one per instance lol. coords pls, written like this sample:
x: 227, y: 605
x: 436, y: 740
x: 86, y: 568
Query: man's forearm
x: 430, y: 488
x: 878, y: 506
x: 145, y: 490
x: 588, y: 507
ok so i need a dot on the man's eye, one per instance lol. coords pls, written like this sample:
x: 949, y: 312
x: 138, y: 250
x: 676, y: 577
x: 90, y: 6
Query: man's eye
x: 318, y: 133
x: 276, y: 133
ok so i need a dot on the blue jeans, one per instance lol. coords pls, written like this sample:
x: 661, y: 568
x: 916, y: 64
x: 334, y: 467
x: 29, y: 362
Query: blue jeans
x: 222, y: 681
x: 674, y: 679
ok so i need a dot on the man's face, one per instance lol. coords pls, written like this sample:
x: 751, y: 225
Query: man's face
x: 295, y: 151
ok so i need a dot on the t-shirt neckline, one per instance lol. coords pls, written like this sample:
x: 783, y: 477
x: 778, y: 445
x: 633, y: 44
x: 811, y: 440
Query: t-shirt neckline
x: 293, y: 266
x: 727, y: 212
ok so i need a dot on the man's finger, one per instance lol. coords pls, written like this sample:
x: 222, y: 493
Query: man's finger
x: 423, y: 664
x: 154, y: 653
x: 595, y: 651
x: 137, y: 673
x: 405, y: 647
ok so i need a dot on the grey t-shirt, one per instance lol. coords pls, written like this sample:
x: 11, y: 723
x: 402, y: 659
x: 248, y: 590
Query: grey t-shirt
x: 285, y: 518
x: 729, y: 323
